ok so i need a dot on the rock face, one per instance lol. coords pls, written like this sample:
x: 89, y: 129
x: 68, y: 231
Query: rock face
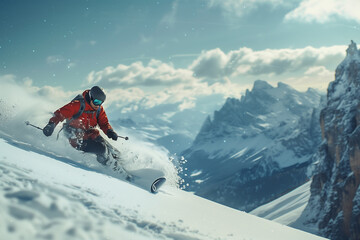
x: 255, y: 148
x: 334, y: 205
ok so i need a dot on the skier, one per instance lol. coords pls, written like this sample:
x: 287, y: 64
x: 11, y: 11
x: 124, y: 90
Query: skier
x: 82, y: 115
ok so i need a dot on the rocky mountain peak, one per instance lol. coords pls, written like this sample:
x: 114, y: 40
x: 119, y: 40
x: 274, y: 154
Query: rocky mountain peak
x: 261, y: 85
x: 347, y: 75
x: 244, y: 153
x: 352, y: 50
x: 335, y: 189
x: 264, y: 105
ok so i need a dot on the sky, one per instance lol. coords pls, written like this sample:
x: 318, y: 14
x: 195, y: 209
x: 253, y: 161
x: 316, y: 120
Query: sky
x: 173, y: 50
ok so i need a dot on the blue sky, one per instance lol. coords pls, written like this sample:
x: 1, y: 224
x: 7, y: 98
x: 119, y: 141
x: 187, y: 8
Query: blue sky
x: 153, y: 48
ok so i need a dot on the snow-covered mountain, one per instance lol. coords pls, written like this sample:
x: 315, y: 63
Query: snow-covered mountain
x: 47, y: 196
x: 334, y: 204
x: 168, y: 125
x: 254, y: 149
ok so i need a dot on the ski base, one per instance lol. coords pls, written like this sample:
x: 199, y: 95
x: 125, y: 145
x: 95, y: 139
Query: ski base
x: 147, y: 179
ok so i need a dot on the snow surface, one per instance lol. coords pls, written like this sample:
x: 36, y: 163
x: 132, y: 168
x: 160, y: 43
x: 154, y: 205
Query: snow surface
x: 46, y: 196
x: 288, y: 208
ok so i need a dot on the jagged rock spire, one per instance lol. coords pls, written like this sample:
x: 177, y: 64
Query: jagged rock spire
x: 352, y: 49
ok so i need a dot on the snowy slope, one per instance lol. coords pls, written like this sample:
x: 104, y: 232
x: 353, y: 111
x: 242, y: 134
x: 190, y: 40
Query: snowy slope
x: 45, y: 196
x: 288, y: 208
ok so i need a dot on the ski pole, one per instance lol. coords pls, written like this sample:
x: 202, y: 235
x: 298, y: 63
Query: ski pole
x: 126, y: 138
x: 29, y: 124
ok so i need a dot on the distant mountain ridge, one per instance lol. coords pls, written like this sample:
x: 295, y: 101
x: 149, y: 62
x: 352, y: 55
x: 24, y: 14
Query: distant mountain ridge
x: 255, y: 148
x: 167, y: 124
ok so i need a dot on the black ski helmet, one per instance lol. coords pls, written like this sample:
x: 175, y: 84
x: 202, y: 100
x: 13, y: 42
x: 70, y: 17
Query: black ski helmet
x: 97, y: 93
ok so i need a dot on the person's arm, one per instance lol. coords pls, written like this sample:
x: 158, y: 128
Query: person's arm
x: 60, y: 115
x: 65, y: 112
x: 105, y: 125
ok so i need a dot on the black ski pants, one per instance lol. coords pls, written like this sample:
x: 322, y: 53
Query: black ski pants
x: 97, y: 146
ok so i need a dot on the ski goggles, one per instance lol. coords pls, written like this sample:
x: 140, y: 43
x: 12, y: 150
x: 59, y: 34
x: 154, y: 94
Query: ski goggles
x: 97, y: 102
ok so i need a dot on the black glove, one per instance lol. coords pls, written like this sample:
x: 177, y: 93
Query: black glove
x: 112, y: 134
x: 49, y: 129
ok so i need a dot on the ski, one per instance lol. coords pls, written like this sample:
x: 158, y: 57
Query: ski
x: 147, y: 178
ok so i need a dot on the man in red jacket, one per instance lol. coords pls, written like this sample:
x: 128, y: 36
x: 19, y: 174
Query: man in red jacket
x: 82, y: 115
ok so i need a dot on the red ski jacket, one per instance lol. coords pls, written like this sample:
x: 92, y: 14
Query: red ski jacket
x: 87, y: 121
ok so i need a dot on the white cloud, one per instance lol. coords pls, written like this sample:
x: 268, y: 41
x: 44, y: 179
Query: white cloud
x: 318, y: 70
x: 186, y: 104
x: 169, y: 19
x: 59, y: 60
x: 210, y: 64
x: 324, y: 10
x: 242, y: 7
x: 245, y: 61
x: 300, y: 68
x: 215, y: 72
x: 55, y: 59
x: 156, y: 73
x: 317, y: 77
x: 182, y: 95
x: 186, y: 94
x: 306, y: 11
x: 125, y: 95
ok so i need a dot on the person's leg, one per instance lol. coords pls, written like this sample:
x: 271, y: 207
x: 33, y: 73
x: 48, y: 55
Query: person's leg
x: 104, y: 151
x: 98, y: 147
